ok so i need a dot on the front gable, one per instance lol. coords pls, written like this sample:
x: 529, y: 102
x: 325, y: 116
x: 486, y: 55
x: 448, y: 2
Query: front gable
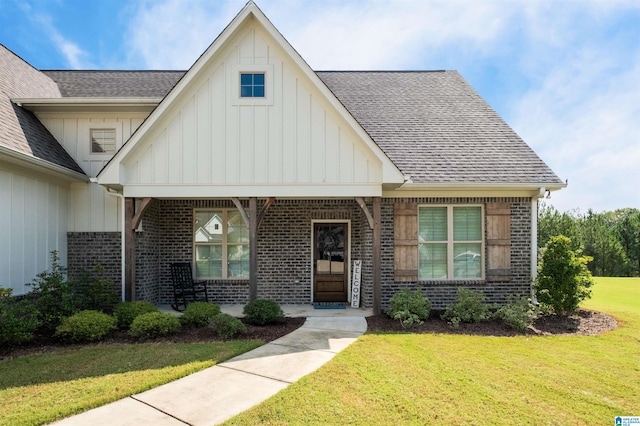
x: 204, y: 140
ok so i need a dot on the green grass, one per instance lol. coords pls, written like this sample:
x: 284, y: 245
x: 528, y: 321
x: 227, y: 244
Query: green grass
x: 417, y: 379
x: 41, y: 388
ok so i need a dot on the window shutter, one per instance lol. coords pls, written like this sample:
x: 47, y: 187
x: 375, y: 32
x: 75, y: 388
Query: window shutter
x: 498, y: 242
x: 405, y: 235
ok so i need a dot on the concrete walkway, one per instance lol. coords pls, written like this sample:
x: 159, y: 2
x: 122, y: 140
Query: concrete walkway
x: 218, y: 393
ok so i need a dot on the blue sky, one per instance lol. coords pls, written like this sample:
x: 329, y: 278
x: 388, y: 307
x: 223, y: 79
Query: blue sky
x: 564, y: 74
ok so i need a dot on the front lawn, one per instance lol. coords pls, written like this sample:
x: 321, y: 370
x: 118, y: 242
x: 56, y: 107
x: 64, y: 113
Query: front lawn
x: 38, y: 389
x: 460, y: 379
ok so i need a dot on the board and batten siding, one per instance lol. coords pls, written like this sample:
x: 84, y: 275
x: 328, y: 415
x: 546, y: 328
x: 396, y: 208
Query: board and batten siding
x: 212, y: 138
x: 91, y: 209
x: 33, y: 214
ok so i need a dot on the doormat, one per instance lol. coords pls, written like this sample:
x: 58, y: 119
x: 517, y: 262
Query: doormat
x: 329, y: 305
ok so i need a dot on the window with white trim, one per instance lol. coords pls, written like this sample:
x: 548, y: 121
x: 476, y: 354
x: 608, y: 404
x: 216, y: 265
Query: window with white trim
x: 103, y: 141
x: 221, y: 244
x: 450, y: 242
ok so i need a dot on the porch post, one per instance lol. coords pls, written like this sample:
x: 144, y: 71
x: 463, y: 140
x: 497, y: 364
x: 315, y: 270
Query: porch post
x: 253, y: 248
x: 130, y: 250
x: 377, y: 273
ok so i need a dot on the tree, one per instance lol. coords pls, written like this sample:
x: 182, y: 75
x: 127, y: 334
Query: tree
x: 600, y: 241
x: 628, y: 231
x: 552, y: 223
x: 563, y: 279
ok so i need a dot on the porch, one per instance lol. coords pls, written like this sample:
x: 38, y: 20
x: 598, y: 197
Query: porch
x: 294, y: 311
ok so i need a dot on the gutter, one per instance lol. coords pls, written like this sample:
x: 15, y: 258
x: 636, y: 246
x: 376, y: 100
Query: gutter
x: 542, y: 192
x: 114, y: 193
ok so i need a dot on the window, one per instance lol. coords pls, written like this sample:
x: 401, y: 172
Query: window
x: 450, y: 242
x: 221, y: 241
x: 103, y: 141
x: 252, y: 85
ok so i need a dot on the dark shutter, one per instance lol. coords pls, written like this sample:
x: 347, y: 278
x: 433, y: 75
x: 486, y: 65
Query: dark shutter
x: 405, y: 232
x: 498, y: 242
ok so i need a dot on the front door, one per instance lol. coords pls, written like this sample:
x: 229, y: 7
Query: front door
x: 330, y: 262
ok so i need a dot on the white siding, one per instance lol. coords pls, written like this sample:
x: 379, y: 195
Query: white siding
x: 34, y: 213
x: 211, y: 138
x: 92, y: 210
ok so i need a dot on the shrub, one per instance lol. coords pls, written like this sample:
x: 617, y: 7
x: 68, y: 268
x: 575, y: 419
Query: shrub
x: 154, y: 324
x: 409, y: 307
x: 469, y: 306
x: 518, y: 313
x: 86, y: 326
x: 226, y: 326
x: 93, y: 291
x: 199, y: 314
x: 563, y: 279
x: 126, y: 312
x: 263, y: 311
x: 52, y: 295
x: 18, y: 319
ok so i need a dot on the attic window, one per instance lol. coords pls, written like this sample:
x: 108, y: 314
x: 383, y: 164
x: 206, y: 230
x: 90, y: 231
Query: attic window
x: 103, y: 141
x: 252, y: 85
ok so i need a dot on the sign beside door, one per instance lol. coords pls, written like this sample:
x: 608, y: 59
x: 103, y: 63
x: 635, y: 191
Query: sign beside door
x: 355, y: 284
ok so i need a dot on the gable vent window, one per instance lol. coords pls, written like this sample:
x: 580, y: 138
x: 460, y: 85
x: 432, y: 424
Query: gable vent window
x: 103, y: 141
x: 252, y: 85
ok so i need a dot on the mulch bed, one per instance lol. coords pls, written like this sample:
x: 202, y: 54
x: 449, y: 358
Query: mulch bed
x: 584, y: 323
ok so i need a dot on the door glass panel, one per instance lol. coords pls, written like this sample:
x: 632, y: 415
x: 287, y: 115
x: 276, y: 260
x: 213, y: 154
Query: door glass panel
x: 330, y: 245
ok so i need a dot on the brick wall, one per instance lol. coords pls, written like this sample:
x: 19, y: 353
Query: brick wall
x: 284, y: 244
x: 87, y: 249
x: 443, y: 293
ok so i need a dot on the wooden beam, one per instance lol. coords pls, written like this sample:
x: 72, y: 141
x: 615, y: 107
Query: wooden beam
x: 263, y: 210
x: 137, y: 218
x: 242, y: 211
x: 130, y: 250
x: 365, y: 210
x: 253, y: 248
x: 377, y: 257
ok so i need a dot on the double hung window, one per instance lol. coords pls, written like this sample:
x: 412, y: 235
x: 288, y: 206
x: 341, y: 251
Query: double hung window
x: 221, y: 240
x: 450, y: 243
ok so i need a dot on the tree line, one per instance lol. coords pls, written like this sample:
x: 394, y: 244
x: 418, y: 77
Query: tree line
x: 612, y: 238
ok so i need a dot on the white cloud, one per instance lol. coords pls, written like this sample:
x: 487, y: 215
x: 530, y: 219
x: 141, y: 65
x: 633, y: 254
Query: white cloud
x: 73, y: 54
x: 172, y: 34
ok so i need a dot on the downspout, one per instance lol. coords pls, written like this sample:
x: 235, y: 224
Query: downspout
x: 534, y: 241
x: 115, y: 193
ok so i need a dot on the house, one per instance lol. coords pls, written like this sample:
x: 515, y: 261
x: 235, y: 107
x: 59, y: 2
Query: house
x: 269, y: 177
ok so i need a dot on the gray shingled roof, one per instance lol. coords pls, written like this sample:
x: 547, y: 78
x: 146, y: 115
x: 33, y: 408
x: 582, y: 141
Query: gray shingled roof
x: 115, y: 84
x: 20, y: 130
x: 432, y: 124
x: 436, y: 128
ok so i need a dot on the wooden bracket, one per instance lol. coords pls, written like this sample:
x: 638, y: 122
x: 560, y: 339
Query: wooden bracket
x: 261, y: 215
x: 365, y: 210
x: 135, y: 221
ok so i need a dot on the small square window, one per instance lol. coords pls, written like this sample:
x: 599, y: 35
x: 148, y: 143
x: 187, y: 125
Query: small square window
x: 252, y: 85
x: 103, y: 141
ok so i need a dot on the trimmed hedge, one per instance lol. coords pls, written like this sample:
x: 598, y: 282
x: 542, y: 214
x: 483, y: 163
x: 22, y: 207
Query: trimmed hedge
x: 86, y: 326
x: 126, y: 312
x: 154, y: 324
x: 262, y: 312
x: 198, y: 314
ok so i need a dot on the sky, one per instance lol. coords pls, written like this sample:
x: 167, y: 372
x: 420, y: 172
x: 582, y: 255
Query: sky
x: 564, y: 74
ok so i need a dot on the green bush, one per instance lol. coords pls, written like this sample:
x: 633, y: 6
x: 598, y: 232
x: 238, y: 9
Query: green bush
x: 563, y: 279
x: 86, y: 326
x: 18, y: 319
x: 154, y: 324
x: 198, y: 314
x: 409, y: 307
x: 226, y: 326
x: 518, y: 313
x: 126, y: 312
x: 93, y: 291
x: 263, y: 311
x: 52, y: 295
x: 469, y: 306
